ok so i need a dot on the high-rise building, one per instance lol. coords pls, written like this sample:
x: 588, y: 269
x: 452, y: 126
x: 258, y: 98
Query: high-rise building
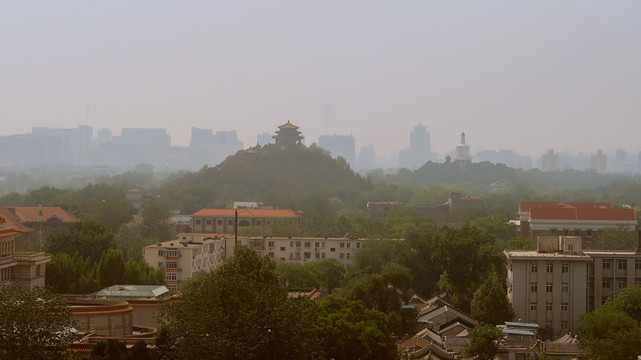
x: 550, y: 161
x: 419, y: 151
x: 599, y: 162
x: 367, y: 158
x: 205, y: 147
x: 264, y: 139
x: 339, y: 145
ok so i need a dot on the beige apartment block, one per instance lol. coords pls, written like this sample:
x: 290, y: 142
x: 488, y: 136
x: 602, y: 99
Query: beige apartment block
x: 548, y: 286
x: 301, y: 250
x: 186, y: 256
x: 558, y: 282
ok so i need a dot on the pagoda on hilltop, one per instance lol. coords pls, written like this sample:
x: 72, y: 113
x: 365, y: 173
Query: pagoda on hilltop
x: 288, y: 134
x: 462, y: 156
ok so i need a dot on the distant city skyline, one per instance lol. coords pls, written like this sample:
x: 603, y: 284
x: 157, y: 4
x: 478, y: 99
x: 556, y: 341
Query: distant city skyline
x: 513, y: 76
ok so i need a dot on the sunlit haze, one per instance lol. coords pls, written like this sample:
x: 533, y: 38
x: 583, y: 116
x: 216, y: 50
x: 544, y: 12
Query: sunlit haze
x: 524, y: 76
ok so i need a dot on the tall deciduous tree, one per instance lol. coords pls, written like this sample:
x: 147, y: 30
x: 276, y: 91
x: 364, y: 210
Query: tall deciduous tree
x: 240, y: 311
x: 34, y: 324
x: 88, y: 239
x: 483, y: 343
x: 349, y: 331
x: 490, y: 303
x: 155, y: 217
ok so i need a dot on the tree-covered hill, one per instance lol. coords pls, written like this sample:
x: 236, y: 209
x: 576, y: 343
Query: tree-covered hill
x: 295, y: 176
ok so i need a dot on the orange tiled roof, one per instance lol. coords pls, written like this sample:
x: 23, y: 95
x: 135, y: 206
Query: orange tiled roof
x: 12, y: 222
x: 288, y: 126
x: 582, y: 213
x: 30, y: 213
x: 259, y: 213
x: 525, y: 206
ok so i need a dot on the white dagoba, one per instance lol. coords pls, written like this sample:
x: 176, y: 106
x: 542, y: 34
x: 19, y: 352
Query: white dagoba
x: 462, y: 156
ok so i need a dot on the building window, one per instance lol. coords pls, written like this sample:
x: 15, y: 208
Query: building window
x: 219, y: 222
x: 197, y: 221
x: 271, y: 254
x: 291, y: 244
x: 259, y: 222
x: 565, y: 267
x: 332, y: 249
x: 171, y: 276
x: 308, y: 255
x: 534, y: 267
x: 161, y: 252
x: 297, y: 243
x: 548, y: 287
x: 348, y: 255
x: 230, y: 222
x: 548, y: 307
x: 533, y: 306
x: 570, y: 247
x: 322, y: 255
x: 588, y: 233
x: 358, y: 245
x: 342, y: 245
x: 622, y: 264
x: 172, y: 253
x: 342, y: 256
x: 622, y: 283
x: 564, y: 324
x: 270, y: 244
x: 172, y: 265
x: 308, y: 244
x: 637, y: 264
x: 637, y: 281
x: 607, y: 264
x: 347, y: 245
x: 317, y: 244
x: 564, y: 306
x: 566, y: 232
x: 534, y: 287
x: 549, y: 267
x: 606, y: 284
x: 604, y: 299
x: 282, y: 248
x: 565, y: 287
x: 317, y: 255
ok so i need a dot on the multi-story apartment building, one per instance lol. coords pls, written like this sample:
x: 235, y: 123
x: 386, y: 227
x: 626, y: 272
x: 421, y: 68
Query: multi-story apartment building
x: 583, y: 219
x: 301, y: 250
x: 558, y: 282
x: 221, y: 221
x: 186, y: 256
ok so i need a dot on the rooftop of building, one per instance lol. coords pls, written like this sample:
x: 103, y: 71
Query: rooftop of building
x: 21, y: 214
x: 133, y: 292
x: 582, y: 214
x: 258, y: 213
x: 533, y: 254
x: 526, y: 206
x: 288, y: 125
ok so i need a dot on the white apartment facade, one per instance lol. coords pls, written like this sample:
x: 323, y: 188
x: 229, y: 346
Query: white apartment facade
x: 301, y: 250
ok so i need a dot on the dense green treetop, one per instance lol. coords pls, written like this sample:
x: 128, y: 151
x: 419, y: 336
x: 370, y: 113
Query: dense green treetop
x: 490, y: 304
x: 34, y: 324
x: 483, y: 343
x: 88, y: 239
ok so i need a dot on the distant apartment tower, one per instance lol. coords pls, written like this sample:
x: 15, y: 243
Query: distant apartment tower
x: 141, y: 145
x: 599, y: 162
x: 550, y: 161
x: 264, y: 139
x: 367, y: 158
x: 339, y: 145
x: 419, y: 151
x: 207, y: 147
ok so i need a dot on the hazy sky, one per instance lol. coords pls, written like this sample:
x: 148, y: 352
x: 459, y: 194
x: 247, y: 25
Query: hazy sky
x: 521, y: 75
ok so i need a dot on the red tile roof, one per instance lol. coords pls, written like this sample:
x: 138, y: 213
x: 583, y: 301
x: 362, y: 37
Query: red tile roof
x: 582, y: 214
x: 30, y: 214
x: 258, y: 213
x: 526, y: 206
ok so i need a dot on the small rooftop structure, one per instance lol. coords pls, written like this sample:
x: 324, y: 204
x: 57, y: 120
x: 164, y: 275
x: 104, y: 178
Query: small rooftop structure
x: 133, y: 292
